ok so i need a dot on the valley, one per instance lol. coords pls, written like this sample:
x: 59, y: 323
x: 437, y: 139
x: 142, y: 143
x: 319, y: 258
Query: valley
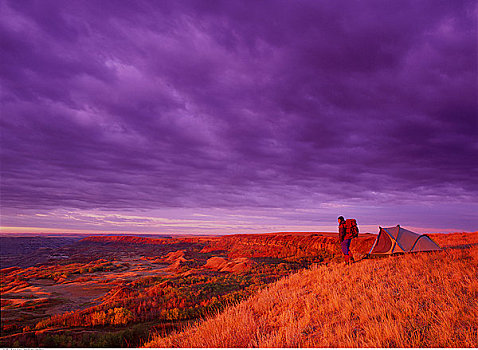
x: 115, y: 290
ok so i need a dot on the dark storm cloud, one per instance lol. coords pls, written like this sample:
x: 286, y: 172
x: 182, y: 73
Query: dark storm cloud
x: 237, y: 104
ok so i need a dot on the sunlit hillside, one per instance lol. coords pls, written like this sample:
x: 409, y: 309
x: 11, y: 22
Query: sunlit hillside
x: 414, y: 300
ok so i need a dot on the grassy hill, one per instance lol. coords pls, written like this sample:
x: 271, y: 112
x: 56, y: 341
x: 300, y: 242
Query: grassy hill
x: 413, y: 300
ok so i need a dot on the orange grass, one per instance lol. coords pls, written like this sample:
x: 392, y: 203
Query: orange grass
x: 414, y: 300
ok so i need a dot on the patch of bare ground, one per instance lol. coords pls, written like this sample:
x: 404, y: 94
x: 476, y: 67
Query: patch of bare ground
x: 55, y: 295
x: 412, y: 300
x: 238, y: 265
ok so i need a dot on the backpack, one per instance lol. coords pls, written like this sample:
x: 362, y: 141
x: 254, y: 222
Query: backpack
x: 351, y: 227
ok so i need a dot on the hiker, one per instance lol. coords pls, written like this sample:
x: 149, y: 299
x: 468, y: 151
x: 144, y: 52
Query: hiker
x: 348, y: 229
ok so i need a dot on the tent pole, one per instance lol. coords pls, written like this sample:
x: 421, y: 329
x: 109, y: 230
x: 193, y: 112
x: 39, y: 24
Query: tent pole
x: 376, y: 240
x: 396, y: 240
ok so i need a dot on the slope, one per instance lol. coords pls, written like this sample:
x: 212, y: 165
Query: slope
x: 416, y: 300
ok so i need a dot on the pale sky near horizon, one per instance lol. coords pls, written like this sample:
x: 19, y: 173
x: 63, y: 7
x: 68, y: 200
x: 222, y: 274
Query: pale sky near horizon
x: 238, y: 116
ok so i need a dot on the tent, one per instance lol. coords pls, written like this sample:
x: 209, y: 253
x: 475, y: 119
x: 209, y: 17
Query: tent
x: 391, y: 240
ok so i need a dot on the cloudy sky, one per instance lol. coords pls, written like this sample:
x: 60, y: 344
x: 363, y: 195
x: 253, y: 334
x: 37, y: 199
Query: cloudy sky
x: 238, y: 116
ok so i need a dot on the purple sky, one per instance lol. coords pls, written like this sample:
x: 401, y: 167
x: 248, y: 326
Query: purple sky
x: 238, y: 116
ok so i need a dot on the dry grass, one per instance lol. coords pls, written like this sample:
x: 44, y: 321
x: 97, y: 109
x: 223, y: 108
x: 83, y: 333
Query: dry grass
x: 415, y: 300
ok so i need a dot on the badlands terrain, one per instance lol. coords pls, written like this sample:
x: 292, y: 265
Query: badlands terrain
x: 118, y: 291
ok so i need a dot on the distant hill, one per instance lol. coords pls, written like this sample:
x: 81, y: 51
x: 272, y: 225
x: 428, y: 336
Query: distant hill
x: 411, y: 300
x: 126, y: 239
x: 285, y: 244
x: 280, y: 244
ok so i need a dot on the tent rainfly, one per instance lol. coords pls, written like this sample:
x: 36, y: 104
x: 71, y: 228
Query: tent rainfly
x: 392, y: 240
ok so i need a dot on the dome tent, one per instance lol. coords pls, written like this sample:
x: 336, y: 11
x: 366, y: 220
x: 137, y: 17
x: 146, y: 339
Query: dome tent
x: 391, y: 240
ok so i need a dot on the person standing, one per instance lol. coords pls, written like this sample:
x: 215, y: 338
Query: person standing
x: 346, y: 234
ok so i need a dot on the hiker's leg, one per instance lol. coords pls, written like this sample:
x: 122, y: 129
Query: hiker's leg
x: 350, y: 252
x: 345, y: 245
x: 347, y: 259
x: 345, y: 250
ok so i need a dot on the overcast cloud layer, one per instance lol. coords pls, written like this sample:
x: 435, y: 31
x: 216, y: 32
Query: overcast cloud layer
x: 246, y: 106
